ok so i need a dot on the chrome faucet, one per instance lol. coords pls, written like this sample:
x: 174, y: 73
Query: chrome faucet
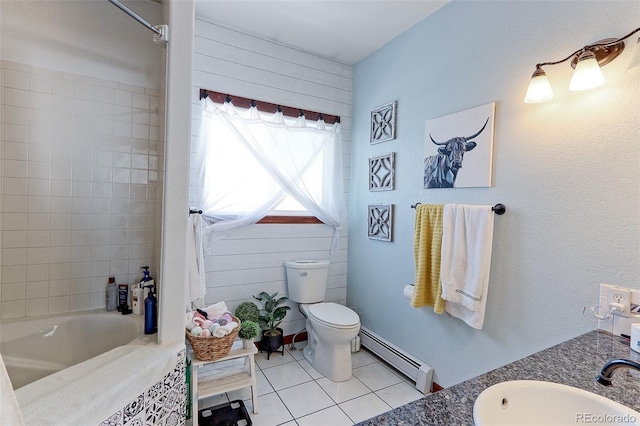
x: 604, y: 378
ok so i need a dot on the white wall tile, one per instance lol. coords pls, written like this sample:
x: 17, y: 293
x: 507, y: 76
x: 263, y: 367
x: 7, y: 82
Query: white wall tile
x: 38, y: 221
x: 61, y: 221
x: 14, y: 274
x: 35, y: 307
x: 16, y: 169
x: 39, y: 152
x: 15, y: 151
x: 15, y: 203
x: 39, y: 187
x: 15, y: 291
x: 16, y: 97
x: 79, y: 302
x: 16, y: 115
x: 40, y: 83
x: 61, y: 188
x: 38, y: 204
x: 67, y: 164
x: 58, y: 305
x: 14, y: 256
x: 37, y: 290
x: 43, y: 101
x: 37, y: 273
x: 39, y: 170
x: 16, y: 79
x: 38, y: 238
x: 58, y: 288
x: 37, y: 255
x: 40, y: 136
x: 80, y: 285
x: 13, y: 309
x: 139, y: 131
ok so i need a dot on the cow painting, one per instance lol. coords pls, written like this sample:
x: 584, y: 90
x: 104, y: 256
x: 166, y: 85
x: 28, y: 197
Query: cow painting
x: 441, y: 170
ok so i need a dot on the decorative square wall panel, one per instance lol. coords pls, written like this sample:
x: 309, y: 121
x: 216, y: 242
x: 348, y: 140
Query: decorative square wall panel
x: 380, y: 226
x: 382, y: 172
x: 383, y: 123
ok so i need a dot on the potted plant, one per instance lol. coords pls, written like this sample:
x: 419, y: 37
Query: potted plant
x: 271, y: 316
x: 248, y: 331
x: 247, y: 311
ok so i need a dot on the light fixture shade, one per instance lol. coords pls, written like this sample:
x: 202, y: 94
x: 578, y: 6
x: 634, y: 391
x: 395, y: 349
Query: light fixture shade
x: 587, y: 74
x: 539, y: 88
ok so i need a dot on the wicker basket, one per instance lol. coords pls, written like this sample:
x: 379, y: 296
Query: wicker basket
x: 212, y: 348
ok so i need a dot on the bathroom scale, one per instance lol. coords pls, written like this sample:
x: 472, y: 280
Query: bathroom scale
x: 232, y: 413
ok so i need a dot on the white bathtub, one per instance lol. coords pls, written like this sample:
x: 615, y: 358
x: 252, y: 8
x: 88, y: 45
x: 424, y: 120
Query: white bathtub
x: 81, y: 368
x: 34, y: 348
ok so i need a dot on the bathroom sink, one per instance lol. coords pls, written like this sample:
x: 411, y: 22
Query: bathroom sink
x: 530, y: 402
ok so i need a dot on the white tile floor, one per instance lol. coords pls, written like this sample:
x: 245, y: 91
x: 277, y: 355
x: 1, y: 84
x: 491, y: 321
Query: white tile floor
x: 291, y: 392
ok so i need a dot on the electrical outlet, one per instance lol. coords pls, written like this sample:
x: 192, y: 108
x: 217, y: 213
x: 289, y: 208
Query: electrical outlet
x: 622, y: 296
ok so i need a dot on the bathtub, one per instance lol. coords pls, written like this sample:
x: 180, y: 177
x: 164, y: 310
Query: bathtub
x: 35, y: 348
x: 84, y: 368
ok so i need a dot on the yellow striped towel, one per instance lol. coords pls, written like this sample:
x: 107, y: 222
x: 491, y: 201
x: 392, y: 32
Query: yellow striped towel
x: 427, y: 242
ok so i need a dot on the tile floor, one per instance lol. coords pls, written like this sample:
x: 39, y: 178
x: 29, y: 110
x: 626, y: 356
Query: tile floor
x: 291, y: 392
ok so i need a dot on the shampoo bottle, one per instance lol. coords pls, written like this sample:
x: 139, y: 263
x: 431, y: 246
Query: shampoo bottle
x: 150, y: 312
x: 137, y: 299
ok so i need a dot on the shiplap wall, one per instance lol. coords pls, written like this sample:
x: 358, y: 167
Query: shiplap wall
x: 239, y: 64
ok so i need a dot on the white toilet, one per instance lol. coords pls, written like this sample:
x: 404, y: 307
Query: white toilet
x: 330, y: 326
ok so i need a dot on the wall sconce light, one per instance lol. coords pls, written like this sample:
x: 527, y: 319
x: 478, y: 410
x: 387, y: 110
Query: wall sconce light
x: 586, y: 63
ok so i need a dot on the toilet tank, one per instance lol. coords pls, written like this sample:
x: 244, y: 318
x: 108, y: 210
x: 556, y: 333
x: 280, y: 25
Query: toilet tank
x: 307, y: 280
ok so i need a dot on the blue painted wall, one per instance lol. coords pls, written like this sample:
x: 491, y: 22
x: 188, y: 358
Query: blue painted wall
x: 568, y: 171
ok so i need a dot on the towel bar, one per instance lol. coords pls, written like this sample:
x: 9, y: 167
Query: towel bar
x: 498, y: 209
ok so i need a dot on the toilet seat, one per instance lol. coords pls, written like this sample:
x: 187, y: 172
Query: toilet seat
x: 334, y: 315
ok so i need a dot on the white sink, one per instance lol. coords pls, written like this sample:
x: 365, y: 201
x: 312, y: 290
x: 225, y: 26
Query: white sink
x: 530, y: 402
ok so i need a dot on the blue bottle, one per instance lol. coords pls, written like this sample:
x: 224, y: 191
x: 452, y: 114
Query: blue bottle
x: 150, y: 312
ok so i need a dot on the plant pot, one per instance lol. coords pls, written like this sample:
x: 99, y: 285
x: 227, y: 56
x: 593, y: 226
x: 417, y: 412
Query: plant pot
x: 247, y: 344
x: 272, y: 343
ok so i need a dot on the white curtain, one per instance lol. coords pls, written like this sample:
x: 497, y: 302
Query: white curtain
x: 246, y: 164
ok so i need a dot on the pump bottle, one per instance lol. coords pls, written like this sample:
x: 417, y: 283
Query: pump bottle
x: 150, y: 312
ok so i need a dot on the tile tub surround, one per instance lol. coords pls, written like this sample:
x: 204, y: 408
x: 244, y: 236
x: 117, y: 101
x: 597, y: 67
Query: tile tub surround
x: 81, y: 174
x: 575, y: 362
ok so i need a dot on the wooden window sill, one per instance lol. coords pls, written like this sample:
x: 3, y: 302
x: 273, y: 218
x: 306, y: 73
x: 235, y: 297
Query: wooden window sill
x: 289, y: 219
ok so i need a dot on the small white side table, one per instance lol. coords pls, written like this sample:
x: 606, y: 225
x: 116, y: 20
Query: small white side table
x: 223, y: 375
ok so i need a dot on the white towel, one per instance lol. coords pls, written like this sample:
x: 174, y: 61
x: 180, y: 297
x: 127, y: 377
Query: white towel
x: 196, y: 286
x: 223, y: 330
x: 216, y: 310
x: 467, y: 239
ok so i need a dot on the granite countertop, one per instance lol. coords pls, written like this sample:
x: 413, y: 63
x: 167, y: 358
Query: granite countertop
x: 575, y: 362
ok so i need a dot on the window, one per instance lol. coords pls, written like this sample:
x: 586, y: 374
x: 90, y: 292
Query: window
x: 251, y: 165
x: 237, y: 175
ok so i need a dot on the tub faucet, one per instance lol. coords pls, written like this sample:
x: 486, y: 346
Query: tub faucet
x: 604, y: 378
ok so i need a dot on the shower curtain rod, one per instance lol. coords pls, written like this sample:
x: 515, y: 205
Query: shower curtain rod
x: 160, y: 31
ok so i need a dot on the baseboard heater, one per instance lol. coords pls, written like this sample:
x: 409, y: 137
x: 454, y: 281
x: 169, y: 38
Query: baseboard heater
x: 420, y: 372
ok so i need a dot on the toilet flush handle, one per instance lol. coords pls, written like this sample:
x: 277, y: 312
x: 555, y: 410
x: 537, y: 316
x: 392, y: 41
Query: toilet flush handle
x: 304, y: 274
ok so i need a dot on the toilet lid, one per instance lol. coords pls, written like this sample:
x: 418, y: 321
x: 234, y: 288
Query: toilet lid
x: 334, y: 315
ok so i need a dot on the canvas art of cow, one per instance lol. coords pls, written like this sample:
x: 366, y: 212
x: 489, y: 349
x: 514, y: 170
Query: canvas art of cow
x: 441, y: 170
